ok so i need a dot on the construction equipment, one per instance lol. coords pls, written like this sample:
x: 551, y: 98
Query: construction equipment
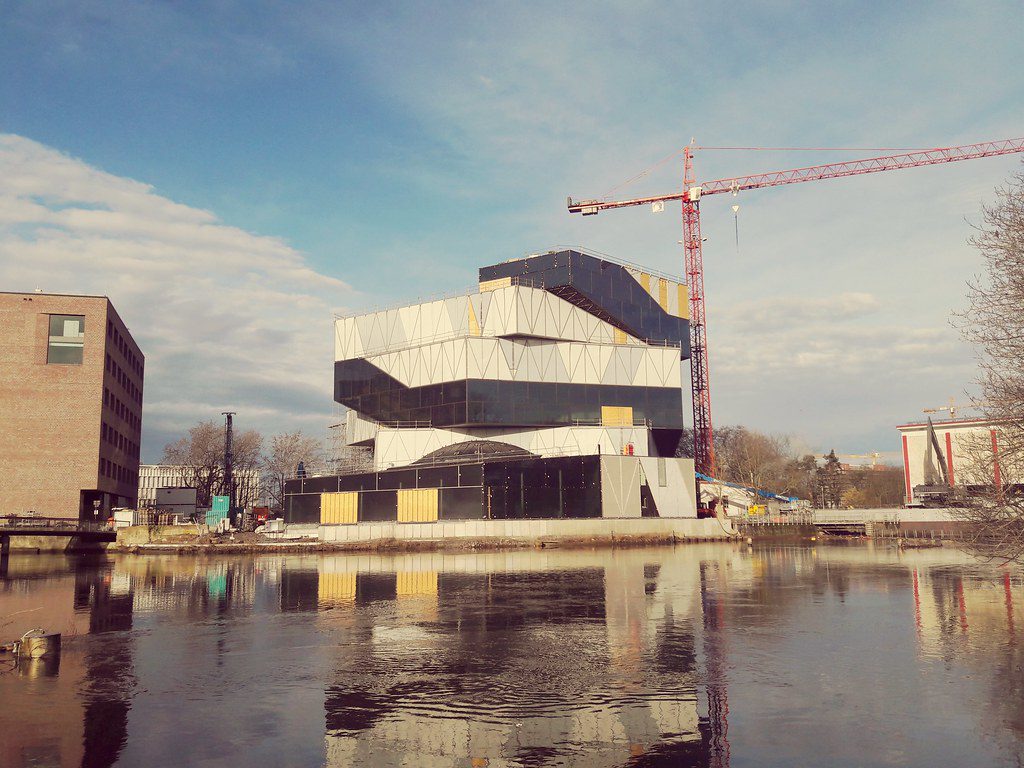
x: 690, y: 197
x: 953, y: 407
x: 874, y: 456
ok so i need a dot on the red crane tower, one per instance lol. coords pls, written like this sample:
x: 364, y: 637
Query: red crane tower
x: 690, y: 197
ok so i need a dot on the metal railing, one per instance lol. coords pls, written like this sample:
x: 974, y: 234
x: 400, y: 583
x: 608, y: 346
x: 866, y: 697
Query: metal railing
x: 616, y: 260
x: 42, y: 522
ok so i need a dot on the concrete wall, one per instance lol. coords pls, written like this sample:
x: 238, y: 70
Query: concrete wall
x: 528, y: 531
x: 134, y: 535
x: 52, y: 544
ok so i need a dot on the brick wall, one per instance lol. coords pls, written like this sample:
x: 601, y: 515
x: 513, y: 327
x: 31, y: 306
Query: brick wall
x: 51, y: 414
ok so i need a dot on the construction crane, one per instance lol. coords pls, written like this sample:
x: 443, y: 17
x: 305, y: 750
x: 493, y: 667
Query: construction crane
x: 874, y: 456
x: 953, y: 407
x: 690, y: 197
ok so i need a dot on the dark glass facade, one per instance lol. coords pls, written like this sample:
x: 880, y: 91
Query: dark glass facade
x: 480, y: 402
x: 541, y: 488
x: 604, y: 289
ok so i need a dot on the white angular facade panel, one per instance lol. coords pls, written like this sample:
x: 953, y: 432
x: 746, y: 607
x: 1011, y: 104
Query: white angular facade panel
x: 397, y: 447
x: 511, y: 311
x: 533, y: 360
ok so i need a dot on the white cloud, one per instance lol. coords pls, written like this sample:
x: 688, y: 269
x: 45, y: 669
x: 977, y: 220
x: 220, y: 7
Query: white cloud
x: 226, y: 319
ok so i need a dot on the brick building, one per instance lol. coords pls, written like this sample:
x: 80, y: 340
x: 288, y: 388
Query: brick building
x: 71, y: 381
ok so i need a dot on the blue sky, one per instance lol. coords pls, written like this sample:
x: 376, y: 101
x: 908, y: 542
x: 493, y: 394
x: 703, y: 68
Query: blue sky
x: 384, y: 151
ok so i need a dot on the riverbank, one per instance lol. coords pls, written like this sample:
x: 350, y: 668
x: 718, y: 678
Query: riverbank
x: 458, y: 535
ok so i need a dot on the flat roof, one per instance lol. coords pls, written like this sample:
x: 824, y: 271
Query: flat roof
x: 110, y: 304
x: 47, y: 293
x: 948, y: 423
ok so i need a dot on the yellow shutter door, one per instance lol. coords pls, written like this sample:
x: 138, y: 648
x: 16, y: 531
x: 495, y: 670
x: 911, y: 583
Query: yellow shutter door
x: 339, y: 508
x: 417, y: 505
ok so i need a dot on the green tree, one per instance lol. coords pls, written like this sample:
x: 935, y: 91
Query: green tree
x: 829, y: 483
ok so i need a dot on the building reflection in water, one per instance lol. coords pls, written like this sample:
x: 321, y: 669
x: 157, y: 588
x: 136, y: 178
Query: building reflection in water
x: 512, y: 659
x: 82, y: 721
x: 966, y: 616
x: 596, y: 658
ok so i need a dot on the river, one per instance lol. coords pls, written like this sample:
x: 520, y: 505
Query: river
x: 704, y: 655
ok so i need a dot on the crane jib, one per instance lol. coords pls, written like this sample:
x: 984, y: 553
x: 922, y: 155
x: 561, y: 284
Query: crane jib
x: 690, y: 195
x: 817, y: 173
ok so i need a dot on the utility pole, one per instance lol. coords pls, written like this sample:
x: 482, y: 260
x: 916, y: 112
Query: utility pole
x: 229, y: 458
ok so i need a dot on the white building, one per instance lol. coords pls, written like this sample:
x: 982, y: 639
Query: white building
x: 153, y: 476
x: 962, y: 453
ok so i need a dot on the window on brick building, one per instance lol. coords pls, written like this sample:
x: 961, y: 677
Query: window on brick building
x: 67, y: 340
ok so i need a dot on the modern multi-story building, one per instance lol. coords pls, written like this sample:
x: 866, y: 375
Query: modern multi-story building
x: 554, y: 390
x: 71, y: 379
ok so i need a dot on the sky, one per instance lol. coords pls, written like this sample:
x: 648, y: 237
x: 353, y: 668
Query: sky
x: 232, y: 173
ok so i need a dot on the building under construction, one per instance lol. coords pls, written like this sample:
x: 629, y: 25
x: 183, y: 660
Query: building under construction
x: 553, y: 390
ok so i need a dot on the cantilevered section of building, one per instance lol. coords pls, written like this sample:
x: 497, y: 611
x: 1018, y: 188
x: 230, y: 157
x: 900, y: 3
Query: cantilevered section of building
x: 559, y: 367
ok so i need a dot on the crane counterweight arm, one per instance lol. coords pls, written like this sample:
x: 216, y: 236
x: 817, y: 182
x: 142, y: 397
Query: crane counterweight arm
x: 815, y: 173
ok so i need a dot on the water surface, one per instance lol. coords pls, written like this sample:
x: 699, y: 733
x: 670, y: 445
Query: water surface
x: 705, y: 655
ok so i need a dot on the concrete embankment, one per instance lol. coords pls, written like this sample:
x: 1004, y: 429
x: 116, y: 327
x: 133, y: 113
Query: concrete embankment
x: 442, y: 535
x: 50, y: 543
x: 893, y: 523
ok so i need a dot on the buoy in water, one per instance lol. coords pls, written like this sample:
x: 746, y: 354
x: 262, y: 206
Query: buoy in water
x: 37, y: 643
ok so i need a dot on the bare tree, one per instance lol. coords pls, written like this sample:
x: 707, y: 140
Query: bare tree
x: 753, y: 459
x: 994, y: 323
x: 248, y: 459
x: 282, y: 461
x: 200, y: 455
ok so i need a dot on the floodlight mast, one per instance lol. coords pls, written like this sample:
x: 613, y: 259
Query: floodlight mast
x: 690, y: 196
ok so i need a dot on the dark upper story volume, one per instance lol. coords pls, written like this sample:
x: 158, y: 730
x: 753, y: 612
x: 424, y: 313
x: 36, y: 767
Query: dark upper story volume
x: 603, y: 288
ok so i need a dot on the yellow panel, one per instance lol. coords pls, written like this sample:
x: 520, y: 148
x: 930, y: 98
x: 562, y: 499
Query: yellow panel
x: 620, y: 336
x: 684, y: 303
x: 474, y: 325
x: 339, y: 508
x: 417, y: 583
x: 645, y: 281
x: 333, y: 587
x: 616, y: 416
x: 663, y: 293
x: 493, y: 285
x: 417, y: 505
